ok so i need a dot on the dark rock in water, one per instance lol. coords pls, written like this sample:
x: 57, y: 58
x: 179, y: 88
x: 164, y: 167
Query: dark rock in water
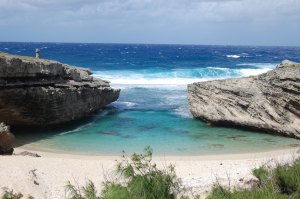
x: 217, y: 145
x: 294, y: 145
x: 181, y: 149
x: 268, y: 140
x: 128, y: 136
x: 108, y: 133
x: 146, y: 127
x: 27, y: 153
x: 6, y: 140
x: 269, y: 102
x: 234, y: 137
x: 39, y: 92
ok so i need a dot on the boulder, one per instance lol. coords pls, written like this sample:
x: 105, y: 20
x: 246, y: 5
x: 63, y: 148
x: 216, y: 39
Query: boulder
x: 6, y: 140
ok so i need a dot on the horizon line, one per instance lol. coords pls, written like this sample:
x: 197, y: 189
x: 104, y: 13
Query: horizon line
x: 182, y: 44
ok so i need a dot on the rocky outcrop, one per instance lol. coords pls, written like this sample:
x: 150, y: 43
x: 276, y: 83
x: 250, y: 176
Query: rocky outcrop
x: 6, y: 140
x: 269, y: 102
x: 39, y: 92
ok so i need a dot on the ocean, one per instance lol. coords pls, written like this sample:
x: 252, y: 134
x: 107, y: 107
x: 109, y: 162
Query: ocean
x: 152, y: 108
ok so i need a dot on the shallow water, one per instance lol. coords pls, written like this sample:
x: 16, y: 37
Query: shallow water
x: 152, y: 108
x: 165, y: 124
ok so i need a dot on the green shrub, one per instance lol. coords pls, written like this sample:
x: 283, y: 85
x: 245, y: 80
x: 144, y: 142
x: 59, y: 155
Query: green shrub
x: 87, y: 192
x: 255, y: 192
x: 143, y: 179
x: 288, y: 178
x: 262, y: 174
x: 281, y: 183
x: 137, y: 178
x: 10, y: 194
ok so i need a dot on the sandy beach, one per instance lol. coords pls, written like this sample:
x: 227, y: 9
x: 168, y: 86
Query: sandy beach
x: 46, y: 176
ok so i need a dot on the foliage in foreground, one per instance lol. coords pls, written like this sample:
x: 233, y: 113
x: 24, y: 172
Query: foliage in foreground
x: 10, y: 194
x: 137, y: 178
x: 283, y: 182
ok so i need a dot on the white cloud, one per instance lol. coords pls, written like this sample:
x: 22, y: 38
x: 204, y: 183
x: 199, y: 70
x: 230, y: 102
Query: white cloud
x: 211, y: 10
x: 157, y: 15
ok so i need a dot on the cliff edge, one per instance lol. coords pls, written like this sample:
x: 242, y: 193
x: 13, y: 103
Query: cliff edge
x: 269, y: 102
x: 40, y: 92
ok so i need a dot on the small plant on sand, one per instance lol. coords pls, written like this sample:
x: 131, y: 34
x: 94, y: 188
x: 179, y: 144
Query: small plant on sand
x: 137, y: 178
x: 87, y: 192
x: 11, y: 194
x: 288, y: 179
x: 283, y: 182
x: 262, y: 174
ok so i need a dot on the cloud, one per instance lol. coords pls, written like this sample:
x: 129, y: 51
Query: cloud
x: 211, y: 10
x: 158, y: 16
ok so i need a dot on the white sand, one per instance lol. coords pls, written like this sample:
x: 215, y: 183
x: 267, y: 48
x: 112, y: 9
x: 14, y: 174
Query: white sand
x: 54, y: 170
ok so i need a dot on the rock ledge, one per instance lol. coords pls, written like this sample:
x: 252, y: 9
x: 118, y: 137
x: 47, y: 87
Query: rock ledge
x: 269, y: 102
x: 39, y: 92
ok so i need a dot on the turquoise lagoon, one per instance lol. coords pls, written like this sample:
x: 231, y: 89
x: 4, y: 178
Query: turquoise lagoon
x: 152, y: 108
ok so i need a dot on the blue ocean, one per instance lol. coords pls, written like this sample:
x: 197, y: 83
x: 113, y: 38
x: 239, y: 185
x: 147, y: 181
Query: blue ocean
x: 152, y: 108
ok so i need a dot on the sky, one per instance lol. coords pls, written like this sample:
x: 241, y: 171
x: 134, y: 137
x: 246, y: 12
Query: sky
x: 216, y: 22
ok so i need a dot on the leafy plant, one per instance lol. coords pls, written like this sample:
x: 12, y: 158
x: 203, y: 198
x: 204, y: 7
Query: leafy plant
x: 11, y: 194
x: 137, y: 178
x: 87, y: 192
x: 281, y: 183
x: 262, y: 174
x: 288, y: 178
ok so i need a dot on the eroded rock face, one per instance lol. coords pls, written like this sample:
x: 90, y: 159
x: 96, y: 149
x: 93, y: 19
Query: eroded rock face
x: 269, y: 102
x: 38, y: 92
x: 6, y: 140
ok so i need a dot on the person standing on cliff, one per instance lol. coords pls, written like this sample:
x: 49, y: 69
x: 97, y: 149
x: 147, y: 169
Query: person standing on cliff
x: 37, y: 53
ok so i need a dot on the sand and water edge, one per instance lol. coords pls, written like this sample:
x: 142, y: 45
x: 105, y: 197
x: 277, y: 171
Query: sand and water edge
x: 46, y: 176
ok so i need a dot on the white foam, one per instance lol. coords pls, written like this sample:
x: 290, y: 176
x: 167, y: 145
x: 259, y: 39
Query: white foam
x: 259, y: 65
x: 154, y: 81
x: 250, y: 72
x: 233, y: 56
x: 124, y: 105
x: 182, y: 111
x: 178, y: 77
x: 77, y: 129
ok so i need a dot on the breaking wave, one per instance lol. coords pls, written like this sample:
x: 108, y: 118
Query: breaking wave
x: 162, y: 76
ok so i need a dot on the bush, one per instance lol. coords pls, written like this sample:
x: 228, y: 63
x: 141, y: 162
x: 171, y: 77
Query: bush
x: 262, y: 174
x: 281, y: 183
x: 137, y: 178
x: 10, y: 194
x: 87, y: 192
x: 288, y: 179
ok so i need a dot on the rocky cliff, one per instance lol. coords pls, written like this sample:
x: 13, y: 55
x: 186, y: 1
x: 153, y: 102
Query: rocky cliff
x: 269, y: 102
x: 39, y: 92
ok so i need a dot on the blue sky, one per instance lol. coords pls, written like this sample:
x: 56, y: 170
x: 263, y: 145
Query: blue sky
x: 225, y: 22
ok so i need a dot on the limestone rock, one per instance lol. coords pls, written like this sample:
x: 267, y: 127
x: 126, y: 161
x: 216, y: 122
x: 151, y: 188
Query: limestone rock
x: 39, y: 92
x: 269, y: 102
x: 77, y: 73
x: 6, y: 140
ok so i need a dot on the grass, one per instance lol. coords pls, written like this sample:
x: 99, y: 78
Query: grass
x: 283, y: 182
